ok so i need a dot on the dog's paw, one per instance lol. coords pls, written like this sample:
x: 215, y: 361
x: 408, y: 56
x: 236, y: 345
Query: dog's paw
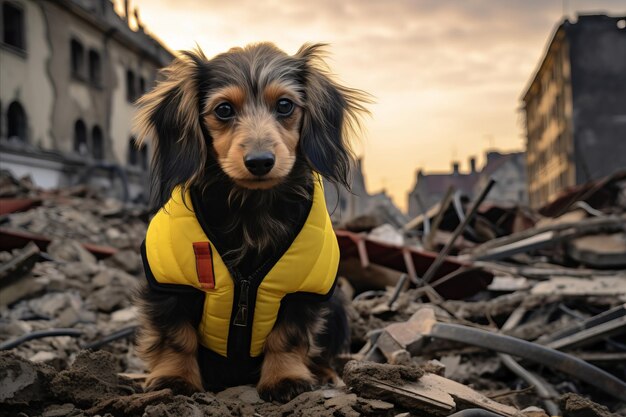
x: 285, y: 390
x: 176, y: 384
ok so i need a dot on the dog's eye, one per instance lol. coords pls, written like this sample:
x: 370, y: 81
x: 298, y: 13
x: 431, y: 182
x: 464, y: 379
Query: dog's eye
x: 224, y: 111
x: 284, y: 107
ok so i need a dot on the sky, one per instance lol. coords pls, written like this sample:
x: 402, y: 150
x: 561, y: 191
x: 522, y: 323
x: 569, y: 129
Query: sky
x: 446, y: 76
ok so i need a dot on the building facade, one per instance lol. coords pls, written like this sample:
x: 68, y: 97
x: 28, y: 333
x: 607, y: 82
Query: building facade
x: 430, y: 188
x: 70, y: 73
x: 575, y: 107
x: 508, y: 169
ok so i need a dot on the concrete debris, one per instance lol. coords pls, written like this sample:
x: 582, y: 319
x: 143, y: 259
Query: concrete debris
x: 559, y: 279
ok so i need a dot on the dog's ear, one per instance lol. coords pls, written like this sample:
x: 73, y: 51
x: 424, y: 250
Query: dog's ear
x: 169, y: 115
x: 331, y: 114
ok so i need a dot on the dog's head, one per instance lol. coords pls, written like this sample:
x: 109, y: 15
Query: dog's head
x: 253, y: 112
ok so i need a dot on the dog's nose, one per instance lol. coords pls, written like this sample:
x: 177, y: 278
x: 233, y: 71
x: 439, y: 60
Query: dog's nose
x: 259, y: 163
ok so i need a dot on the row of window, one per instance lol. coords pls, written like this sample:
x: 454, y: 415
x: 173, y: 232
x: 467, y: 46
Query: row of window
x: 137, y: 155
x: 135, y: 86
x: 547, y: 190
x: 80, y: 65
x: 84, y: 145
x: 85, y: 65
x: 559, y: 148
x: 538, y: 123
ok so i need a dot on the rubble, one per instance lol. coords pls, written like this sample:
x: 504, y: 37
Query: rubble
x: 69, y: 262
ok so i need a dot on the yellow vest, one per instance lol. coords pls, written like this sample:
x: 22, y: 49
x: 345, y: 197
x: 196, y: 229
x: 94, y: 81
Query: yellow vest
x: 309, y: 265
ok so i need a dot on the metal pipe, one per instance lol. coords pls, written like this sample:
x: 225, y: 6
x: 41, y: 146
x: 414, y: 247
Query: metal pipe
x: 545, y: 391
x: 458, y: 206
x: 397, y: 290
x: 517, y: 347
x: 430, y: 238
x: 10, y: 344
x: 475, y: 412
x: 430, y: 273
x: 120, y: 334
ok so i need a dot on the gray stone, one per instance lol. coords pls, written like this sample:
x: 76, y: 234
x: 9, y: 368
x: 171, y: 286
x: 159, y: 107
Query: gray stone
x: 44, y: 357
x: 234, y: 393
x: 250, y: 396
x: 125, y: 315
x: 51, y: 305
x: 126, y: 260
x: 58, y: 410
x: 114, y: 277
x: 70, y: 251
x: 108, y: 299
x: 79, y: 271
x: 341, y: 401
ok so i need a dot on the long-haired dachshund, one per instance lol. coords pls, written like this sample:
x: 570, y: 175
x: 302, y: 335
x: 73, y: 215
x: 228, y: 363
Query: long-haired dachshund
x: 241, y: 258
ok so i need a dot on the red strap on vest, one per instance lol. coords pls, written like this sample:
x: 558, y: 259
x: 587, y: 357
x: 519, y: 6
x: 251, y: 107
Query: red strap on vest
x: 204, y: 264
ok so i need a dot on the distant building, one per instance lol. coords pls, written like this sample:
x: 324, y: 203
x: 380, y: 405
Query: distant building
x: 70, y: 71
x: 430, y: 188
x: 508, y: 169
x: 344, y: 205
x: 575, y: 107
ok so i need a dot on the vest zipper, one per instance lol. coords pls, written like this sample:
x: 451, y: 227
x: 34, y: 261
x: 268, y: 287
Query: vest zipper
x: 240, y: 335
x: 241, y: 318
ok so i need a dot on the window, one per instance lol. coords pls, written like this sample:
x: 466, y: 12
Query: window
x: 95, y: 69
x: 17, y: 125
x: 137, y: 155
x: 78, y: 59
x: 131, y: 92
x: 13, y: 26
x: 97, y: 145
x: 80, y: 138
x: 142, y: 85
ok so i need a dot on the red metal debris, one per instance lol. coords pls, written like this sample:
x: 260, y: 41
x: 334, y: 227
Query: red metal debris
x: 13, y: 205
x: 415, y: 263
x: 12, y: 239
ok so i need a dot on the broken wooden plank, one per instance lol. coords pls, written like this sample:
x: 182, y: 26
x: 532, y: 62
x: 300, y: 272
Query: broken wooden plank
x: 570, y: 286
x: 540, y: 237
x: 584, y: 337
x: 418, y: 390
x: 22, y: 262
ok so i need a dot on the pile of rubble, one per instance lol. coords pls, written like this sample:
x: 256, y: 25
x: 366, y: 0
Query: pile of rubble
x: 468, y: 310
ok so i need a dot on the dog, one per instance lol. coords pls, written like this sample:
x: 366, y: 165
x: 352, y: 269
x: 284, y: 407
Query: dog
x: 241, y: 258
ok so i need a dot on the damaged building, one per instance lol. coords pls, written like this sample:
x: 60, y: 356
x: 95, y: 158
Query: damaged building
x: 575, y: 107
x: 71, y: 71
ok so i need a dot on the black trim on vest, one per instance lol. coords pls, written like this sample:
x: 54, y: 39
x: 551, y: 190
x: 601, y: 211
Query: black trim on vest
x: 306, y: 297
x: 156, y: 285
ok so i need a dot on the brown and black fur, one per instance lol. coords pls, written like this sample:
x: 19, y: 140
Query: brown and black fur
x: 195, y: 148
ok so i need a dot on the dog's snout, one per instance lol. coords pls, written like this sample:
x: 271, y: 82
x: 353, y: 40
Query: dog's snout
x: 259, y: 163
